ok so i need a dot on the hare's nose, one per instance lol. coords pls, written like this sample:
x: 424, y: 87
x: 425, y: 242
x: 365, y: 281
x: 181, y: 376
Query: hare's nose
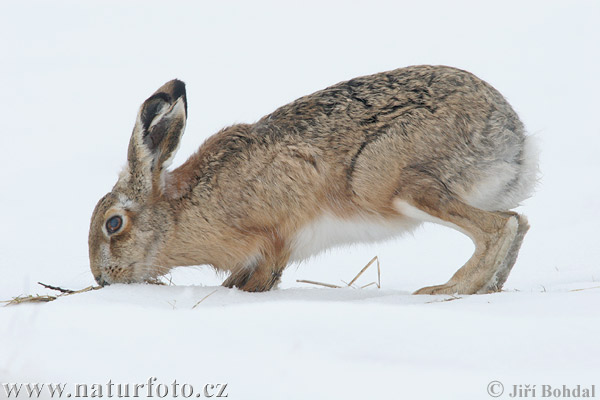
x: 101, y: 280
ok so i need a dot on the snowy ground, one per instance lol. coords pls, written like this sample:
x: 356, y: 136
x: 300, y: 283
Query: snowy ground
x: 73, y: 75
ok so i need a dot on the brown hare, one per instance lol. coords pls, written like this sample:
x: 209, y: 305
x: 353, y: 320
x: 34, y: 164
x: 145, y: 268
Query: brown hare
x: 360, y: 161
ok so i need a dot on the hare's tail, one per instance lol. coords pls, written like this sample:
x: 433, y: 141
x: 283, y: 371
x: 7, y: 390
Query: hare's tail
x: 529, y: 171
x: 508, y: 180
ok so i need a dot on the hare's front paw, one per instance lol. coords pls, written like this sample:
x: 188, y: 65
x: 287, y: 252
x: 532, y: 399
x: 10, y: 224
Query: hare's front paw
x: 237, y: 279
x: 259, y: 280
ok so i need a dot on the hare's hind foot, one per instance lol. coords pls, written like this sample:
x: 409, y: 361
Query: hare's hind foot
x: 447, y: 288
x: 495, y: 284
x: 453, y: 286
x: 496, y: 235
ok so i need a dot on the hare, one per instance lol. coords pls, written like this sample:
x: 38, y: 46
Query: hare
x: 360, y: 161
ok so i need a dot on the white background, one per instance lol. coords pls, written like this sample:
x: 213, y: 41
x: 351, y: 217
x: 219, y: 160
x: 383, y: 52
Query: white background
x: 72, y: 76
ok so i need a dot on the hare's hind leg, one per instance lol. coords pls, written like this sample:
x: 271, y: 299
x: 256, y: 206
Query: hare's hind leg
x: 493, y: 234
x: 502, y: 273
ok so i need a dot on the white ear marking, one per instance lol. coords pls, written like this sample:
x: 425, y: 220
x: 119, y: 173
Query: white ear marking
x: 178, y: 108
x: 165, y: 109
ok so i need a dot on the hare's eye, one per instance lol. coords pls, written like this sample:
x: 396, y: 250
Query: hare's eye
x: 114, y: 224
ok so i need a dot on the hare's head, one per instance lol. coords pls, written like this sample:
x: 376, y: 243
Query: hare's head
x: 129, y: 225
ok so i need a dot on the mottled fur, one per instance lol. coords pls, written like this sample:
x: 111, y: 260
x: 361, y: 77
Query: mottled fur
x: 385, y: 151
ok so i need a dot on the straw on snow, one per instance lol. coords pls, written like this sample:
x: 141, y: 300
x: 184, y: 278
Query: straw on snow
x: 329, y: 285
x: 46, y: 297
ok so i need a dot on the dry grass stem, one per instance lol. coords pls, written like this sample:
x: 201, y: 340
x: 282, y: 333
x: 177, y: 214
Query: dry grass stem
x: 204, y: 298
x: 55, y: 288
x: 87, y: 289
x: 378, y: 283
x: 46, y: 298
x: 378, y: 274
x: 29, y: 299
x: 362, y: 270
x: 329, y: 285
x: 587, y: 288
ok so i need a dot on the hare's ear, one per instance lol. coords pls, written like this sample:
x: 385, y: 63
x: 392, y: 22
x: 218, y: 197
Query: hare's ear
x: 156, y: 136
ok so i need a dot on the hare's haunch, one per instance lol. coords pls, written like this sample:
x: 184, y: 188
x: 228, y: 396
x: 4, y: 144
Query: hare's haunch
x: 360, y: 161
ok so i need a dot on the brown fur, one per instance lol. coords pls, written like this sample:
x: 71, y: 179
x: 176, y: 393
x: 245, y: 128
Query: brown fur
x: 428, y: 137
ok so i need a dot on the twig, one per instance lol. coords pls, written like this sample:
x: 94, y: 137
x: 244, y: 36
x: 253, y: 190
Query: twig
x: 204, y: 298
x: 329, y: 285
x: 55, y: 288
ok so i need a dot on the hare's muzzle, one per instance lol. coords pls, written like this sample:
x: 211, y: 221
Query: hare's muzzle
x: 101, y: 280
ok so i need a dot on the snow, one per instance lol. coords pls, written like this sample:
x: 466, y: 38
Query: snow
x: 73, y: 75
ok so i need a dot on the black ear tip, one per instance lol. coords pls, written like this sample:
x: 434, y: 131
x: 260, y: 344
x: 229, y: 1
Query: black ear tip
x: 168, y: 93
x: 178, y: 88
x: 174, y: 89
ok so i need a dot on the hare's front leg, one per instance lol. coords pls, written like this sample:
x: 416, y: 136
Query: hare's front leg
x: 259, y: 277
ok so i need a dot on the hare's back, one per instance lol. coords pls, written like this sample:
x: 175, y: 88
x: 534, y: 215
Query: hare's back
x: 442, y: 122
x: 371, y: 103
